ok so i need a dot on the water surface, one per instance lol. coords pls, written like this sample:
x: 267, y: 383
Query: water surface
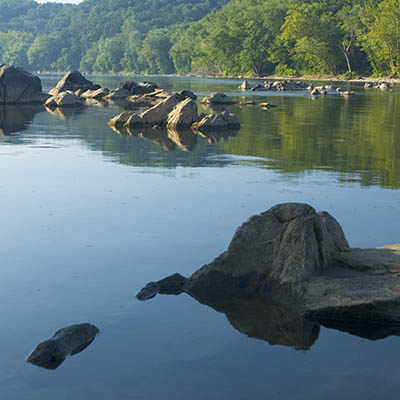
x: 90, y: 216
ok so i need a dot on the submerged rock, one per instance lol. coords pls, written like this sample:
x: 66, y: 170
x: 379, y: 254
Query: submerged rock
x: 66, y: 341
x: 18, y: 86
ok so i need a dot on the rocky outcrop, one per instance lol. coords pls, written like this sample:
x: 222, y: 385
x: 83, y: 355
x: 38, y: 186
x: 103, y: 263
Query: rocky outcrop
x: 217, y: 122
x: 183, y: 115
x: 66, y: 341
x: 294, y: 257
x: 276, y: 251
x: 65, y: 99
x: 18, y: 86
x: 244, y: 86
x: 72, y: 81
x: 218, y: 98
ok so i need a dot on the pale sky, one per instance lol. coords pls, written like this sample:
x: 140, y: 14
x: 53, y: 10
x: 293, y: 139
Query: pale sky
x: 60, y: 1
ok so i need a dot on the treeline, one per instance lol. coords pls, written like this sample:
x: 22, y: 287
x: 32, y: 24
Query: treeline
x: 242, y: 37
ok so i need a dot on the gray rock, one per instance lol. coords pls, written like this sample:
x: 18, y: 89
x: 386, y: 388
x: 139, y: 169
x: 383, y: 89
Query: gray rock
x: 217, y: 122
x: 276, y: 251
x: 218, y: 98
x: 186, y: 93
x: 315, y: 92
x: 183, y: 115
x: 66, y: 341
x: 258, y: 88
x: 18, y: 86
x: 148, y: 292
x: 95, y: 94
x: 368, y: 85
x: 73, y: 80
x: 65, y: 99
x: 267, y: 105
x: 120, y: 93
x: 158, y: 114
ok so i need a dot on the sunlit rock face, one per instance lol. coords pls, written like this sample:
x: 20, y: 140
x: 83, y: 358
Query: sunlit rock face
x: 72, y: 81
x: 66, y: 341
x: 295, y: 259
x: 18, y: 86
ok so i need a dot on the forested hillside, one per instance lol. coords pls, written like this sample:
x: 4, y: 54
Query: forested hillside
x: 96, y: 35
x: 285, y: 37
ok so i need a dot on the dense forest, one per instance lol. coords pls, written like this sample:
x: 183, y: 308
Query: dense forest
x: 241, y: 37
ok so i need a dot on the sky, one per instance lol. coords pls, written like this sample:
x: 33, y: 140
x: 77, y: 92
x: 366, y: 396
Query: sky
x: 60, y: 1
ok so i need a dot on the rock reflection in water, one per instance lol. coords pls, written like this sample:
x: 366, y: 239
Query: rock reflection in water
x: 15, y: 118
x: 169, y: 139
x: 65, y: 112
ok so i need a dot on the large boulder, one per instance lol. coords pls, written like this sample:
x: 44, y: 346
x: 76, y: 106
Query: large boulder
x: 294, y: 260
x: 218, y: 98
x: 73, y: 80
x: 183, y: 115
x: 276, y: 251
x: 66, y: 341
x: 18, y: 86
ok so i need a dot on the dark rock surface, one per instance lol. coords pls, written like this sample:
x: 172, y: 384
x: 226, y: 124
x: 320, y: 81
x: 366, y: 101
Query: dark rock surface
x: 66, y: 341
x: 18, y: 86
x: 218, y: 98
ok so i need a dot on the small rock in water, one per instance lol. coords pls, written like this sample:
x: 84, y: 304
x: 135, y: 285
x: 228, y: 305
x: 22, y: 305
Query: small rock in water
x: 66, y: 341
x: 148, y: 292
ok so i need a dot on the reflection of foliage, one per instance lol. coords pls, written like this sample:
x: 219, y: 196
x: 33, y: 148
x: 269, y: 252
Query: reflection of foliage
x: 305, y: 134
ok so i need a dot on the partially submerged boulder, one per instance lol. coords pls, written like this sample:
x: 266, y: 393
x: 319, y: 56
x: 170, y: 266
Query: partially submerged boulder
x: 18, y: 86
x: 65, y: 99
x: 294, y: 257
x: 66, y: 341
x: 73, y: 80
x: 218, y: 98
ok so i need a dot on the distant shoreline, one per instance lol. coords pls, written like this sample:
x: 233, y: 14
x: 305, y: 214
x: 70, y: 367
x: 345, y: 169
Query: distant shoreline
x: 322, y: 78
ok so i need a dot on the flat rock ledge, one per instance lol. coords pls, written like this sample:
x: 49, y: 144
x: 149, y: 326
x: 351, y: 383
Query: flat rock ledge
x: 294, y: 257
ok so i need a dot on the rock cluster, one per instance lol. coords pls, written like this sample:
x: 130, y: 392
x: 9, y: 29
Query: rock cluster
x: 178, y: 111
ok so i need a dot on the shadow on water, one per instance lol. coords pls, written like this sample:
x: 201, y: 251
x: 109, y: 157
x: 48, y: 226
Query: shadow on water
x: 16, y: 118
x: 288, y: 326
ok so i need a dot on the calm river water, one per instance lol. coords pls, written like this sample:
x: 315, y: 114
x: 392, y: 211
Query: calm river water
x: 90, y: 216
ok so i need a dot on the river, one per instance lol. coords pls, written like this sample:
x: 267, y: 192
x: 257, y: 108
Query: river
x: 90, y: 216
